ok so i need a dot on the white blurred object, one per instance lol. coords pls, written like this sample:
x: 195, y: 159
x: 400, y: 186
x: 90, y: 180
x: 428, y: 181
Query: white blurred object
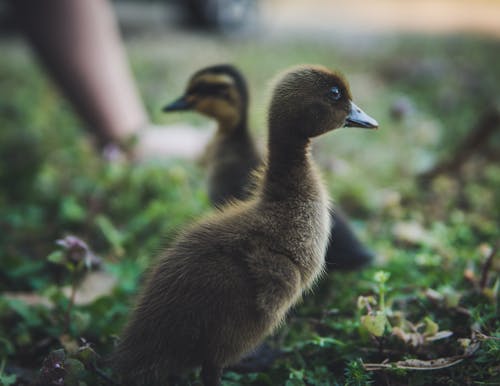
x: 176, y: 141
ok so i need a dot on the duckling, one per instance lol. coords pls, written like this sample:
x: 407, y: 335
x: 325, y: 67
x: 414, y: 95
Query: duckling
x: 220, y: 92
x: 228, y: 280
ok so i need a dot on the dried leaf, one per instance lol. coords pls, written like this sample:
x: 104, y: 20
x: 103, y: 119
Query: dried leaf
x: 439, y: 335
x: 433, y: 295
x: 415, y: 339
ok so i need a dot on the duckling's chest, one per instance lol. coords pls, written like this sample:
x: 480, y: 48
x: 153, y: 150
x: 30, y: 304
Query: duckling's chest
x: 301, y: 228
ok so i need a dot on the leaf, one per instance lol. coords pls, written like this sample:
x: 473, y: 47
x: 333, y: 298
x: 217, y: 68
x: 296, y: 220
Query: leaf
x: 451, y: 296
x: 56, y: 257
x: 113, y: 235
x: 7, y: 346
x: 29, y: 314
x: 81, y: 320
x: 431, y: 327
x: 375, y: 323
x: 87, y: 356
x: 365, y: 301
x: 71, y: 210
x: 322, y: 341
x: 296, y: 374
x: 75, y: 371
x: 381, y: 277
x: 7, y: 380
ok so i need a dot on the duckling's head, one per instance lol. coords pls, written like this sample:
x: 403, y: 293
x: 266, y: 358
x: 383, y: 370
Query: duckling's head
x: 311, y: 100
x: 219, y: 92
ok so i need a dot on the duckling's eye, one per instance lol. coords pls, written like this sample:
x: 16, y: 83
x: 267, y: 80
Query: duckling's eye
x: 335, y: 93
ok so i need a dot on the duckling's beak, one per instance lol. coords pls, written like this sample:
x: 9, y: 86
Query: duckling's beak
x: 358, y: 118
x: 178, y: 105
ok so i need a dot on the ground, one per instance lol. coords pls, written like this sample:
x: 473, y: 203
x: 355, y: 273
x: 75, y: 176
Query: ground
x: 426, y: 312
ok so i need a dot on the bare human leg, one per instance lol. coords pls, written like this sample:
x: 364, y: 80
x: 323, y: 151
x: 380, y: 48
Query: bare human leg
x: 80, y: 45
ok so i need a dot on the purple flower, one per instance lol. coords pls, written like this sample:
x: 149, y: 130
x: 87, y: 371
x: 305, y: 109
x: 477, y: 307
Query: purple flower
x: 77, y: 251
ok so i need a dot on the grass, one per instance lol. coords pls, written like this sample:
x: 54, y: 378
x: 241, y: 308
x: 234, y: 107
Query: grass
x: 432, y: 242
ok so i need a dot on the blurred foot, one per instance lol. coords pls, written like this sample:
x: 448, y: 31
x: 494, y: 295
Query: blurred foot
x: 261, y: 359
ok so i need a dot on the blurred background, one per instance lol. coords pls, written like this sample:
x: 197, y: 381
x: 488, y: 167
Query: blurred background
x: 423, y: 191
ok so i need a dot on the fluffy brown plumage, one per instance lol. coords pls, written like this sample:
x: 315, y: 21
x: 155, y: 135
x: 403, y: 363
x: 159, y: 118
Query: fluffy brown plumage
x: 228, y: 281
x: 220, y: 92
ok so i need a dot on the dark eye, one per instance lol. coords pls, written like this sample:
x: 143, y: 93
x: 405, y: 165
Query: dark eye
x: 335, y: 93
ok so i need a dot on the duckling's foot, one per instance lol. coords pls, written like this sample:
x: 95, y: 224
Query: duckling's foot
x: 261, y: 359
x: 211, y: 374
x: 174, y: 380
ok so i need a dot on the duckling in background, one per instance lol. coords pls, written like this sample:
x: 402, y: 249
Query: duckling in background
x: 228, y: 281
x: 220, y: 92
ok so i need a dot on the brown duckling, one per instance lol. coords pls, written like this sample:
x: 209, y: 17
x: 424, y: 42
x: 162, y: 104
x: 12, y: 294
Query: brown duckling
x: 220, y: 92
x: 228, y: 281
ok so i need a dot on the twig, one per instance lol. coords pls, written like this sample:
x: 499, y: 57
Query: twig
x: 104, y: 376
x: 473, y: 142
x: 67, y: 318
x: 487, y: 266
x: 482, y: 337
x: 417, y: 364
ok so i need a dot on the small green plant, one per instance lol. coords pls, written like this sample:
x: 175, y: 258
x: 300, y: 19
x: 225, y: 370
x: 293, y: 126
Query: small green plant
x: 76, y: 257
x: 6, y: 379
x: 356, y: 375
x: 375, y: 320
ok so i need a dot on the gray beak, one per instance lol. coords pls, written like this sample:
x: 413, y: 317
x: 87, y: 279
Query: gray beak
x: 180, y: 104
x: 358, y: 118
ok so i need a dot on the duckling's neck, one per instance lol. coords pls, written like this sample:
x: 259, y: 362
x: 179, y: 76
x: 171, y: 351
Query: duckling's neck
x: 225, y: 130
x: 231, y: 129
x: 290, y: 170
